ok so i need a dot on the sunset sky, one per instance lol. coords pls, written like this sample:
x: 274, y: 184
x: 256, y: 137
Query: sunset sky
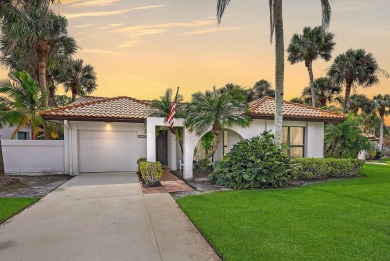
x: 141, y: 47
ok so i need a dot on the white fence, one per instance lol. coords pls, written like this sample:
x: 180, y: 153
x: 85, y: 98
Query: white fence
x: 33, y: 157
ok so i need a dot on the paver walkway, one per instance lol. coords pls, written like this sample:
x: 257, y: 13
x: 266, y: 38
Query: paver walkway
x: 103, y: 217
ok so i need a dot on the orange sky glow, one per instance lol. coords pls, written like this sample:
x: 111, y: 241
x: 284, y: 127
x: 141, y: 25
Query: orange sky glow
x: 141, y: 47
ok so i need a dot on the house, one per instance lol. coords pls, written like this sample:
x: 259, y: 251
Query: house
x: 22, y: 134
x: 110, y: 134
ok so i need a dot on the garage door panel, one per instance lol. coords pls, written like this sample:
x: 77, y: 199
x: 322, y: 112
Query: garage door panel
x: 105, y: 151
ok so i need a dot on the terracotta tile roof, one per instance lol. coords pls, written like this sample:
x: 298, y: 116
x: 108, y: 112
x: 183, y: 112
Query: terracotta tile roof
x: 85, y: 99
x: 91, y: 108
x: 265, y: 107
x: 98, y: 108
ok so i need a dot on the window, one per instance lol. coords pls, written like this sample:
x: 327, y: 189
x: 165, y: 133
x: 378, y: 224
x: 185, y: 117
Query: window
x: 295, y: 139
x: 224, y: 143
x: 23, y: 135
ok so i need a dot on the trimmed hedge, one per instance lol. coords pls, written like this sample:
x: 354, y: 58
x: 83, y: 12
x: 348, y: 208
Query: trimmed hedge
x: 151, y: 172
x: 314, y: 169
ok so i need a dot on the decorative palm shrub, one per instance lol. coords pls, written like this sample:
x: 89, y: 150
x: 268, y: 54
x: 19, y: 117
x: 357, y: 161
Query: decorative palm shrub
x: 254, y: 163
x: 151, y: 172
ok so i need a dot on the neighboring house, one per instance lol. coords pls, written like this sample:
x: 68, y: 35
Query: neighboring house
x: 23, y: 134
x: 110, y: 134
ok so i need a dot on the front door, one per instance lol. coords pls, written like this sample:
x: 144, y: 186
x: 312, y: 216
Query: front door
x: 162, y: 147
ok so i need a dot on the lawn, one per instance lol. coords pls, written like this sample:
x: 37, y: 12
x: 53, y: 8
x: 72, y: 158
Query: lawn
x: 11, y: 206
x: 333, y: 220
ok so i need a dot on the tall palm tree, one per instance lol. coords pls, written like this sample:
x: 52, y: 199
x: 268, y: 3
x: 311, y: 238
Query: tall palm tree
x: 215, y: 110
x: 31, y: 30
x: 161, y: 108
x: 360, y: 102
x: 79, y: 79
x: 382, y: 106
x: 276, y: 26
x: 308, y: 47
x: 355, y: 68
x: 21, y: 102
x: 260, y: 89
x: 325, y: 92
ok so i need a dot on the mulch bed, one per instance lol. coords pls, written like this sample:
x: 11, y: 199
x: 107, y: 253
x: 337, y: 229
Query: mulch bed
x: 32, y: 186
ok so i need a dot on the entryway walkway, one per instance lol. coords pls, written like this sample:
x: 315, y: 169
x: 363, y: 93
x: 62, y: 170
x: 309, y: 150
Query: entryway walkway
x: 103, y: 216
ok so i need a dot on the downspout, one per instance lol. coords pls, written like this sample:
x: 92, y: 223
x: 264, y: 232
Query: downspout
x: 70, y: 147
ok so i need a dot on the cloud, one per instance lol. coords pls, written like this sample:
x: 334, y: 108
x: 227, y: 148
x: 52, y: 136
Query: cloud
x: 107, y: 13
x: 83, y: 25
x: 211, y: 30
x: 129, y: 44
x: 97, y: 51
x: 141, y: 30
x: 93, y: 3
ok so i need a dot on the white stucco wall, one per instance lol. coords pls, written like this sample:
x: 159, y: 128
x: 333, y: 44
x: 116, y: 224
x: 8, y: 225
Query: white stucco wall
x: 6, y: 132
x: 33, y: 157
x: 71, y: 133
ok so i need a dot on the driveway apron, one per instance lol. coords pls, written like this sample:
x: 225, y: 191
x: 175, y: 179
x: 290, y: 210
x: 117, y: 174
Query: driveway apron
x: 103, y: 216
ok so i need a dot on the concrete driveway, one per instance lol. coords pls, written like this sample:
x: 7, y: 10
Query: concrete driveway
x: 103, y: 216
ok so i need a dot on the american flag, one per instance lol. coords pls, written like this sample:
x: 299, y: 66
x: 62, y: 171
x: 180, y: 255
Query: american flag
x: 172, y: 111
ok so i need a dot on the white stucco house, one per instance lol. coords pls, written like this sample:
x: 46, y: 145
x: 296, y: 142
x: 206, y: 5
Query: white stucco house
x: 110, y: 134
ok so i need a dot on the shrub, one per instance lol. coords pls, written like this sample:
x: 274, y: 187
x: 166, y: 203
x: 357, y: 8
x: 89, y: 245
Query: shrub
x: 313, y: 169
x: 253, y: 163
x: 151, y: 172
x: 142, y: 159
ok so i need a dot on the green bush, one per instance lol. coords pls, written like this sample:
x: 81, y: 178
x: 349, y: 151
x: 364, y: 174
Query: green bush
x: 151, y: 172
x: 314, y: 169
x: 254, y: 163
x: 142, y: 159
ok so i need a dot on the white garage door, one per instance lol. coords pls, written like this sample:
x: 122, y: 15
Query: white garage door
x: 105, y: 151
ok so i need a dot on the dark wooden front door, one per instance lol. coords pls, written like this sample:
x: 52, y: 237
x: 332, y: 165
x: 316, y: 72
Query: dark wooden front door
x: 162, y: 147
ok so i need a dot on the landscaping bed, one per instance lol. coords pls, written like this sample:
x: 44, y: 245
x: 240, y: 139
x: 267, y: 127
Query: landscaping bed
x: 34, y: 186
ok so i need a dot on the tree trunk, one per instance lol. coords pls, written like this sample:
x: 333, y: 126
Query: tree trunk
x: 52, y: 94
x: 347, y: 97
x: 313, y: 92
x: 2, y: 172
x: 43, y: 53
x: 323, y: 101
x: 381, y: 132
x: 217, y: 134
x: 279, y: 72
x: 74, y: 96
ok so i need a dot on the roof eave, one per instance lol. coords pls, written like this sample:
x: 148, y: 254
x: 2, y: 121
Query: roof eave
x: 100, y: 119
x: 297, y: 118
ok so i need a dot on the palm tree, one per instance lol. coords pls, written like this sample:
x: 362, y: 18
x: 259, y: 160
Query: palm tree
x: 382, y: 106
x: 360, y: 102
x: 162, y: 107
x: 21, y: 101
x: 325, y: 92
x: 276, y: 24
x: 260, y: 89
x: 215, y: 110
x: 308, y: 47
x: 79, y: 79
x: 30, y: 30
x: 355, y: 68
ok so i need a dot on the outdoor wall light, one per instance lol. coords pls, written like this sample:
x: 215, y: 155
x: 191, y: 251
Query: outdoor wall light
x: 108, y: 125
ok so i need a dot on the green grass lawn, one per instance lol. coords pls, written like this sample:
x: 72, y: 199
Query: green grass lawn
x: 333, y: 220
x: 11, y: 206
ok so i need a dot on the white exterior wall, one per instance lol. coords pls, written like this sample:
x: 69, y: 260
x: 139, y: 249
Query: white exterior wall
x: 6, y: 132
x: 33, y: 157
x: 314, y: 140
x: 71, y: 132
